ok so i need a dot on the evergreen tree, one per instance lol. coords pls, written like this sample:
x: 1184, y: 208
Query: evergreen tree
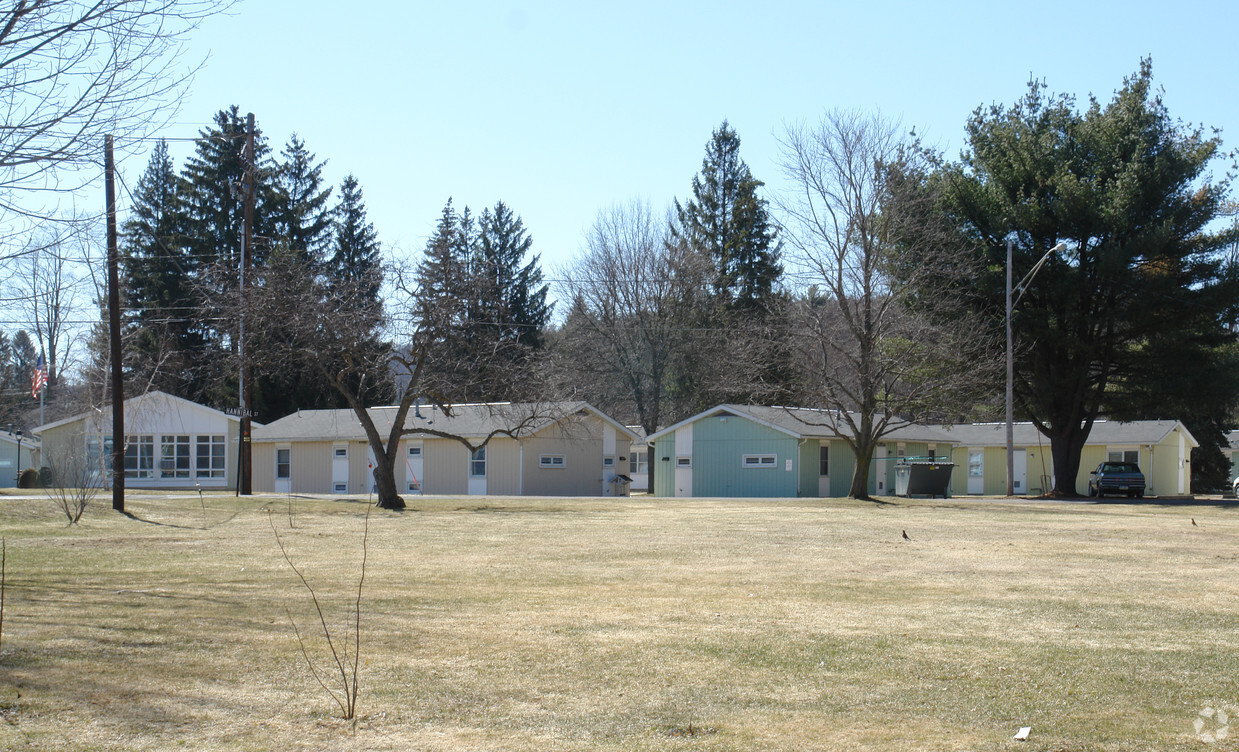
x: 514, y: 294
x: 214, y: 181
x: 355, y: 257
x: 304, y: 220
x: 727, y: 220
x: 728, y: 223
x: 1107, y: 326
x: 158, y: 281
x: 443, y: 282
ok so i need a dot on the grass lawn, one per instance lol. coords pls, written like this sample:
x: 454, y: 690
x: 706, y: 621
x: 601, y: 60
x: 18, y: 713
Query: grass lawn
x: 626, y: 624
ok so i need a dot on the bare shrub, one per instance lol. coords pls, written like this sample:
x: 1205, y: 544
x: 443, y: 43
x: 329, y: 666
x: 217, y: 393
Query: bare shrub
x: 73, y: 480
x: 345, y: 651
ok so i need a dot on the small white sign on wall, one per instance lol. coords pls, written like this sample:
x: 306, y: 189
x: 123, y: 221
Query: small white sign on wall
x: 787, y: 465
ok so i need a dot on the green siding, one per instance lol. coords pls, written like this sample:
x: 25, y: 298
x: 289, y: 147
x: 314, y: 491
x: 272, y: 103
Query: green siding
x: 719, y: 444
x: 808, y: 468
x: 664, y: 474
x: 842, y: 465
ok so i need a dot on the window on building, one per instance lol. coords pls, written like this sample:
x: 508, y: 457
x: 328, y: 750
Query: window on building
x: 552, y: 461
x: 414, y: 451
x: 1123, y: 455
x: 823, y: 460
x: 340, y: 452
x: 608, y: 461
x: 414, y: 486
x: 758, y: 460
x: 284, y: 464
x: 99, y: 459
x: 174, y: 456
x: 211, y: 454
x: 139, y: 456
x: 477, y: 463
x: 639, y: 463
x: 340, y: 488
x: 683, y: 461
x: 976, y: 463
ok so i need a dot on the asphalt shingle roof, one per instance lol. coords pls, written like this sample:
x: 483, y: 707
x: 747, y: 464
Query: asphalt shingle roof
x: 470, y: 421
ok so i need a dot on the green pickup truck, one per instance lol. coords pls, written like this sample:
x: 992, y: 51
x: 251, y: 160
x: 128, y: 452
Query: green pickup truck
x: 1121, y: 478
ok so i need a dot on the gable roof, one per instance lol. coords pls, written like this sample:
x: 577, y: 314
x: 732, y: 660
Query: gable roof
x: 133, y: 404
x: 26, y: 440
x: 1111, y: 432
x: 809, y: 423
x: 467, y: 420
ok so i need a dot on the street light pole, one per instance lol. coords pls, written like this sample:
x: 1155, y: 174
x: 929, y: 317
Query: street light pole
x: 1019, y: 293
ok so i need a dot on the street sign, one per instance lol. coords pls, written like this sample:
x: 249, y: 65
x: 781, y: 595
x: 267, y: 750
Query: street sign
x: 241, y: 412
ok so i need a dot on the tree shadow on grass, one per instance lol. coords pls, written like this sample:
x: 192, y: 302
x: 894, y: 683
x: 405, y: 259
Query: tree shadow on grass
x: 136, y: 518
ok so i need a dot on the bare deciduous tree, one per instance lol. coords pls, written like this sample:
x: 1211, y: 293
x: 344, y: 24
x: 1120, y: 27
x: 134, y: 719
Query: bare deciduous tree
x: 74, y: 478
x: 72, y: 71
x: 335, y: 330
x: 861, y: 224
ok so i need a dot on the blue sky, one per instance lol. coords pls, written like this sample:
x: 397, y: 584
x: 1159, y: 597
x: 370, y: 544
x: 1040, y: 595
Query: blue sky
x: 563, y: 108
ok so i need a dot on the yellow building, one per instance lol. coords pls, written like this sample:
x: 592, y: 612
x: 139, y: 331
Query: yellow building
x: 1162, y: 449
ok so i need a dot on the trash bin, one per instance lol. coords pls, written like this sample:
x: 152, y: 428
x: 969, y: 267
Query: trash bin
x: 923, y: 478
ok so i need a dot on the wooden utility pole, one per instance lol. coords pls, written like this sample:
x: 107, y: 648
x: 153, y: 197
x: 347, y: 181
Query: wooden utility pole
x: 249, y: 188
x: 118, y: 391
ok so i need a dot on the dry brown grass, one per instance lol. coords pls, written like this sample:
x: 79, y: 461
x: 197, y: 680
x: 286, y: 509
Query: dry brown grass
x: 516, y: 624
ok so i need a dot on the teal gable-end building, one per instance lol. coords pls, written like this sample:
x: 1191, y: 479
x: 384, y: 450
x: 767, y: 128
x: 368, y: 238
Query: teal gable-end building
x: 745, y: 451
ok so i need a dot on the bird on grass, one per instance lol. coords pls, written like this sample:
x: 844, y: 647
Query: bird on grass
x: 905, y: 535
x: 1194, y: 522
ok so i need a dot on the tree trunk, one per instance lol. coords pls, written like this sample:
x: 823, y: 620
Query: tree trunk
x: 1065, y: 450
x: 385, y: 482
x: 649, y: 468
x: 860, y: 474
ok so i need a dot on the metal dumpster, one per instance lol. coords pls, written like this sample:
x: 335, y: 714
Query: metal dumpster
x: 925, y: 478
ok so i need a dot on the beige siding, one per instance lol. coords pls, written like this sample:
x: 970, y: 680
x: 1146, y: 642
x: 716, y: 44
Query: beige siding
x: 311, y: 467
x: 62, y: 440
x: 263, y: 477
x: 359, y: 481
x: 446, y: 464
x: 503, y: 467
x: 580, y: 443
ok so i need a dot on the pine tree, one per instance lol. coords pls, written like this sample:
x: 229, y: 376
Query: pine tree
x: 515, y: 296
x: 159, y: 274
x: 728, y: 223
x: 304, y: 220
x: 727, y: 220
x: 355, y: 256
x: 214, y: 180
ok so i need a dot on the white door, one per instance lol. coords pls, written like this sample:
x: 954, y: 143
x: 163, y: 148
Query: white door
x: 684, y: 461
x: 339, y: 468
x: 1019, y: 472
x: 477, y: 472
x: 976, y: 471
x: 413, y: 467
x: 283, y: 469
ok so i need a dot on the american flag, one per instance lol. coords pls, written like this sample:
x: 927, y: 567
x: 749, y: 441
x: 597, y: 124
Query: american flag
x: 39, y: 379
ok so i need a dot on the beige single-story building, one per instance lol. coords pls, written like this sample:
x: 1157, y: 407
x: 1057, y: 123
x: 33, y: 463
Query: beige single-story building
x: 1161, y: 448
x: 170, y: 442
x: 560, y: 449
